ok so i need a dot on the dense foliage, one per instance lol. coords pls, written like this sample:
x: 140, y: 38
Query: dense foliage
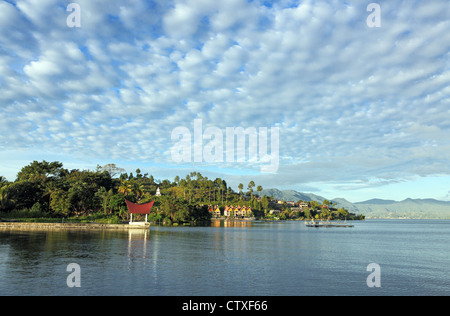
x: 44, y: 189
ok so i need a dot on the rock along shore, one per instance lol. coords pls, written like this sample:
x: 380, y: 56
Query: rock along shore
x: 48, y: 226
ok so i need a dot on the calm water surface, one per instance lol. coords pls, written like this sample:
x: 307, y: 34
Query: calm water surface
x: 250, y: 258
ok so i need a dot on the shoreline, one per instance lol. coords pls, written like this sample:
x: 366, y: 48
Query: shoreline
x: 86, y: 226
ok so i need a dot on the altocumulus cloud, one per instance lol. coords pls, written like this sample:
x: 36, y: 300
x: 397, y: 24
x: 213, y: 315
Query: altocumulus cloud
x: 355, y: 105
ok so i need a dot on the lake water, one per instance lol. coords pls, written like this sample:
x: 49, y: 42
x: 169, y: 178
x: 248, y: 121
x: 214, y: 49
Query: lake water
x: 232, y: 259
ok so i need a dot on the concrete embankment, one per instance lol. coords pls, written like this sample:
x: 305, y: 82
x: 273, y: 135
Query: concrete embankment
x: 48, y: 226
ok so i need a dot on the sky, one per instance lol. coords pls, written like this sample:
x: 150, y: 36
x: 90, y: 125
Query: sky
x: 362, y: 110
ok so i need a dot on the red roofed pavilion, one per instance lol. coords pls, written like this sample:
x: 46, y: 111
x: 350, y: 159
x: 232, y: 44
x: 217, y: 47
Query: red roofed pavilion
x: 139, y: 209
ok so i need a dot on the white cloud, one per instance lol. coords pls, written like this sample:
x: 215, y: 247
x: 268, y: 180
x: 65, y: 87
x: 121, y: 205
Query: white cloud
x: 352, y: 102
x: 182, y: 21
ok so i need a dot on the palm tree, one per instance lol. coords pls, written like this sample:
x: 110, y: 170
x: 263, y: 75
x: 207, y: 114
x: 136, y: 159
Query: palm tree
x: 228, y: 191
x: 251, y: 184
x: 3, y: 196
x: 3, y: 181
x: 183, y: 184
x: 223, y: 186
x: 259, y: 189
x: 131, y: 187
x: 124, y: 188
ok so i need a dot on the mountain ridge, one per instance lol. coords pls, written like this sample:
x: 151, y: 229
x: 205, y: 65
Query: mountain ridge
x: 374, y: 208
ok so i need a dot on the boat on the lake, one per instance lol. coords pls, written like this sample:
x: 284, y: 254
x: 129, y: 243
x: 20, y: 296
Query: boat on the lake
x: 327, y: 224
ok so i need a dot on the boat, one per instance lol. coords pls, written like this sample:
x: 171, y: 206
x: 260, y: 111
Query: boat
x: 328, y: 224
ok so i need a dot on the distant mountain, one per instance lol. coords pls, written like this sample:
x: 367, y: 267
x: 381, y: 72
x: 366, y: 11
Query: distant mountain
x: 409, y: 208
x: 291, y: 195
x: 374, y: 208
x: 377, y: 201
x: 352, y: 208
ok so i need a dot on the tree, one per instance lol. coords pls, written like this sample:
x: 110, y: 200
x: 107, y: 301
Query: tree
x: 177, y: 192
x: 104, y: 197
x: 112, y: 169
x: 138, y: 173
x: 265, y: 202
x: 251, y: 184
x: 183, y: 185
x: 117, y: 202
x: 240, y: 187
x: 325, y: 214
x: 307, y: 213
x: 46, y: 186
x: 199, y: 213
x: 60, y: 203
x: 41, y: 171
x: 223, y: 187
x: 21, y: 194
x: 219, y: 184
x: 132, y: 189
x: 3, y: 197
x: 82, y: 197
x: 4, y: 202
x: 3, y: 181
x: 175, y: 209
x: 343, y: 213
x: 259, y: 189
x: 124, y: 188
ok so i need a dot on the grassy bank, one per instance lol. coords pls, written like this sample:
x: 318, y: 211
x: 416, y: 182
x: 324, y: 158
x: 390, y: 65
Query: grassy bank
x: 27, y: 216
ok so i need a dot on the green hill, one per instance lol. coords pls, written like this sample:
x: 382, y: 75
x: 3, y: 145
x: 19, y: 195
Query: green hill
x: 409, y: 208
x: 375, y: 208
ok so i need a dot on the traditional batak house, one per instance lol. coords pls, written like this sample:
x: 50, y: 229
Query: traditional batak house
x: 243, y: 211
x: 215, y: 211
x: 238, y: 211
x: 139, y: 209
x: 248, y: 211
x: 228, y: 212
x: 231, y: 211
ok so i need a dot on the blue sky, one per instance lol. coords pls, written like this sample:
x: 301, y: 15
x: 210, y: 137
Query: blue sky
x: 362, y: 112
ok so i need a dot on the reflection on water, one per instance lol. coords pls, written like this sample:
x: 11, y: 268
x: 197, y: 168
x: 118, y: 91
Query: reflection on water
x: 137, y: 243
x: 231, y: 223
x: 139, y: 253
x: 230, y: 258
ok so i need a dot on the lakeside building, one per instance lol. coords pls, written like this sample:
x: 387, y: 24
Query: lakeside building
x: 215, y: 211
x: 231, y: 211
x: 303, y: 205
